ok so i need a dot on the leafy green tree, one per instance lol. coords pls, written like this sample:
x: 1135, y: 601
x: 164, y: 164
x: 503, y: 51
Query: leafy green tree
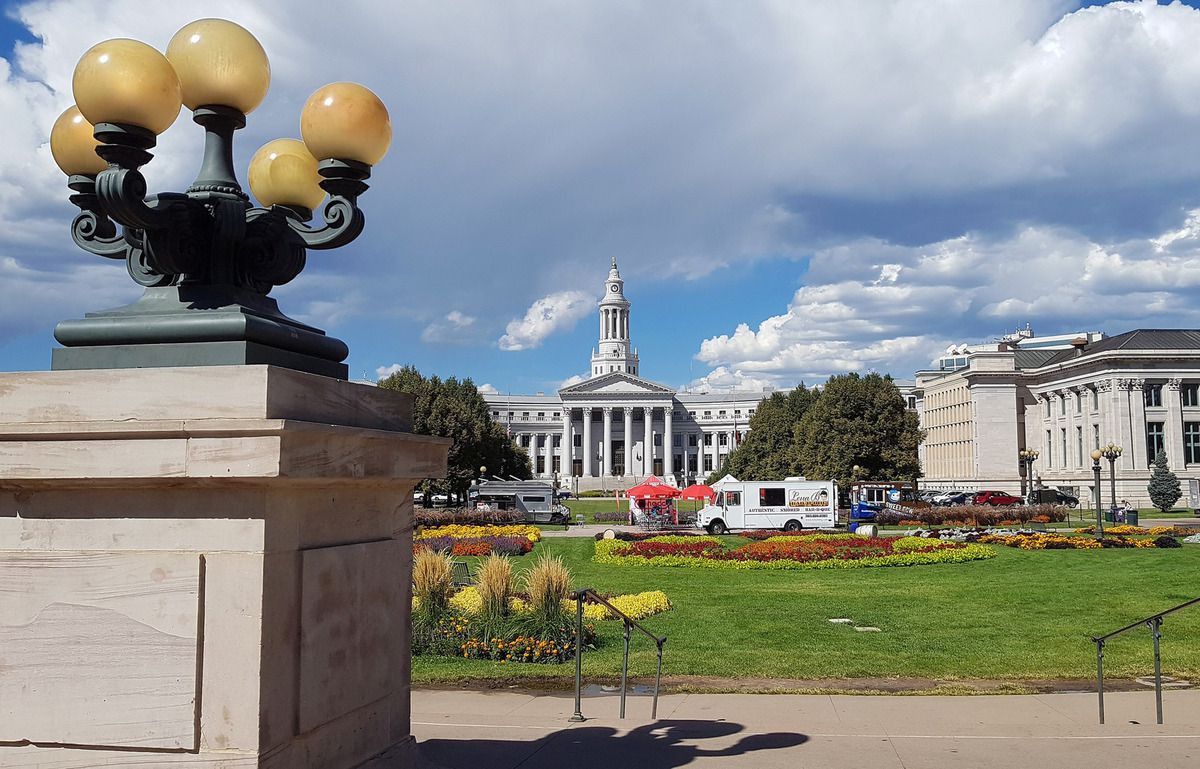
x: 1164, y: 486
x: 858, y: 420
x: 453, y: 408
x: 767, y: 452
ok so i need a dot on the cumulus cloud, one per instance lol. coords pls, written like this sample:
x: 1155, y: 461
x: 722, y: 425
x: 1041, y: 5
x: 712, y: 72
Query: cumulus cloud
x: 721, y: 379
x: 556, y: 312
x: 856, y: 316
x: 455, y: 328
x: 572, y: 380
x: 487, y: 389
x: 383, y: 372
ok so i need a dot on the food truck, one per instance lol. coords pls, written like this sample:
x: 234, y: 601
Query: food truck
x: 535, y: 499
x: 789, y: 505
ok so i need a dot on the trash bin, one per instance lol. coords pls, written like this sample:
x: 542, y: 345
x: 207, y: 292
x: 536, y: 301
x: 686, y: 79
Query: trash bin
x: 1131, y: 517
x: 1109, y: 516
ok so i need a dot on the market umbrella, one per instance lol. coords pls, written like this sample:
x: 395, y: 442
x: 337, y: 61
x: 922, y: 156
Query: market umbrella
x: 698, y: 491
x: 653, y: 488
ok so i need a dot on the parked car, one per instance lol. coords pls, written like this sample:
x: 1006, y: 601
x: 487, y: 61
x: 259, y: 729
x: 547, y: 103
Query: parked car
x: 1063, y: 498
x: 564, y: 494
x: 995, y: 498
x: 950, y: 499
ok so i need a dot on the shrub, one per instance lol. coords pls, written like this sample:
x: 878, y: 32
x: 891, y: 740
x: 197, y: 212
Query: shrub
x: 610, y: 517
x: 1165, y: 541
x: 476, y: 545
x: 463, y: 516
x: 494, y: 581
x: 972, y: 515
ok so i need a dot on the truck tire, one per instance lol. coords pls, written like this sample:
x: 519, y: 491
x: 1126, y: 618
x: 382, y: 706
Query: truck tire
x: 718, y: 527
x: 792, y: 525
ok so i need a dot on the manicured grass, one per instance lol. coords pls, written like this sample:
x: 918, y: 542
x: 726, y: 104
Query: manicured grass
x: 1023, y: 614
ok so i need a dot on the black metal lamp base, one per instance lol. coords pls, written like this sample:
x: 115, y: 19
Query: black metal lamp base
x: 202, y: 325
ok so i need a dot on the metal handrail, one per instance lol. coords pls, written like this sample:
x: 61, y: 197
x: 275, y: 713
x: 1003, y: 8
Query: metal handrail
x: 587, y: 594
x: 1154, y: 622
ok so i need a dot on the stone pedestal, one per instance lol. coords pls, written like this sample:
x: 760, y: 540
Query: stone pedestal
x: 205, y: 567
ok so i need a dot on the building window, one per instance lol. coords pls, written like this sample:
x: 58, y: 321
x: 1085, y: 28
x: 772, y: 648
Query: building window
x: 751, y: 411
x: 1191, y: 442
x: 721, y: 413
x: 495, y: 413
x: 675, y: 439
x: 1152, y: 395
x: 1191, y: 395
x: 658, y: 439
x: 556, y: 464
x: 557, y: 415
x: 771, y: 497
x: 1049, y: 449
x: 708, y: 439
x: 1047, y: 408
x: 723, y: 439
x: 708, y: 415
x: 524, y: 441
x: 525, y: 415
x: 708, y: 464
x: 577, y: 440
x: 737, y: 412
x: 691, y: 439
x: 1062, y: 405
x: 1155, y: 441
x: 1079, y: 444
x: 1064, y: 446
x: 1095, y: 436
x: 1079, y: 403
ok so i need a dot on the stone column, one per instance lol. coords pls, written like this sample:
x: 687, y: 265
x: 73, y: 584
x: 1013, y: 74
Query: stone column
x: 1174, y: 427
x: 628, y: 426
x: 648, y: 440
x: 588, y: 447
x: 1072, y: 458
x: 606, y: 449
x: 565, y: 452
x: 668, y: 442
x: 206, y: 567
x: 1136, y: 425
x: 548, y: 455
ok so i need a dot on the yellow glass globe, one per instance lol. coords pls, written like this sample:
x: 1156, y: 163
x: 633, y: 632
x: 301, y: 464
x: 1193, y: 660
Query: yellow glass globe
x: 127, y: 81
x: 73, y: 145
x: 219, y: 62
x: 348, y: 122
x: 283, y: 172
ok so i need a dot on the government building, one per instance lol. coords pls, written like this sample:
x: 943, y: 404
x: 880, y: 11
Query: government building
x: 981, y: 406
x: 615, y: 428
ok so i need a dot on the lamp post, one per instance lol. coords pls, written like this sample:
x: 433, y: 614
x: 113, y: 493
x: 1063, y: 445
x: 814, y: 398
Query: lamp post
x: 1096, y: 454
x: 207, y: 258
x: 1111, y: 452
x: 1027, y: 457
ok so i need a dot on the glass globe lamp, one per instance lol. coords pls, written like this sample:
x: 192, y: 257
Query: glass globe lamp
x: 219, y: 63
x: 284, y: 172
x: 127, y: 82
x: 73, y: 144
x: 346, y: 121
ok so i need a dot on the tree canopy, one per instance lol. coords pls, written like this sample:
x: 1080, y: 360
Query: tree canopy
x: 1164, y: 485
x: 453, y: 408
x: 824, y: 433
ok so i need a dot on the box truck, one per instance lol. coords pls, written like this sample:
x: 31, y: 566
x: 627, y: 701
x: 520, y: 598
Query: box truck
x: 789, y: 505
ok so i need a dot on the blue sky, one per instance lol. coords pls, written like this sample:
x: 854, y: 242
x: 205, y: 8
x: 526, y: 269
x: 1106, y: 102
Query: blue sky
x: 792, y: 190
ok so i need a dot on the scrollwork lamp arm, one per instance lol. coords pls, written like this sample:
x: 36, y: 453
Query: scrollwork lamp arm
x: 344, y: 180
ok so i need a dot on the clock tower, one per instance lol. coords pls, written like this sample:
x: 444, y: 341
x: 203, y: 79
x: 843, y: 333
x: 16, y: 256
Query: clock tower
x: 614, y: 352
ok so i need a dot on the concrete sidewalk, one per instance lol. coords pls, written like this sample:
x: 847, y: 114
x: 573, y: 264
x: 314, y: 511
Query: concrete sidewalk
x: 508, y: 729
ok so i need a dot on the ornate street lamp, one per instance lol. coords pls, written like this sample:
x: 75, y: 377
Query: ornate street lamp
x: 1027, y: 457
x: 207, y: 257
x: 1111, y: 452
x: 1096, y: 454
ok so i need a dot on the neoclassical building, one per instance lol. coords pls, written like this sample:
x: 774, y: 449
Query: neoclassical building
x: 615, y: 428
x: 1139, y: 390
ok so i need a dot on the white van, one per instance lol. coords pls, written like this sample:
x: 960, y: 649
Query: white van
x: 790, y: 505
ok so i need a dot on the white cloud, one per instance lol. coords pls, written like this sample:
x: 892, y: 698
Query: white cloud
x: 572, y: 380
x: 454, y: 328
x: 487, y: 389
x: 556, y: 312
x: 383, y: 372
x: 722, y: 379
x: 964, y: 289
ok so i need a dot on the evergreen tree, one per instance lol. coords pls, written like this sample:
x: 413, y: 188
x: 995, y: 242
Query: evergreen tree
x: 1164, y: 486
x: 453, y: 408
x: 858, y: 420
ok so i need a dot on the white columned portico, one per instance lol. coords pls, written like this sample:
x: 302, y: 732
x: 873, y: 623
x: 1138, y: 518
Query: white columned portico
x: 648, y: 441
x: 1174, y: 437
x: 564, y: 453
x: 627, y: 466
x: 588, y: 466
x: 606, y: 449
x: 668, y: 445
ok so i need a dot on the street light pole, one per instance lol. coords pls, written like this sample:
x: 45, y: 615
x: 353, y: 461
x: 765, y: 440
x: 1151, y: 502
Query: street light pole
x: 1096, y: 481
x: 1110, y: 452
x: 1027, y: 458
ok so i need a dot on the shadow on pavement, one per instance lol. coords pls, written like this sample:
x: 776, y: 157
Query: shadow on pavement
x: 654, y: 746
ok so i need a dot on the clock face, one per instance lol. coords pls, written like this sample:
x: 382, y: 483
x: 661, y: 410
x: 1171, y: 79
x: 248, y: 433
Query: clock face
x: 613, y: 288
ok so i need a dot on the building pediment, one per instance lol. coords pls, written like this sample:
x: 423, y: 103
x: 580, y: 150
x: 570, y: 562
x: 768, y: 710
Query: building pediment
x: 617, y: 383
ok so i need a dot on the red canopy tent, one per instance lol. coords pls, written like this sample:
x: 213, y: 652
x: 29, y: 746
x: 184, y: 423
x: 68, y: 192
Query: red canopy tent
x: 652, y: 495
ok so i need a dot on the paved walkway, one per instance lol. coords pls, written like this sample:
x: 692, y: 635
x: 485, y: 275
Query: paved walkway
x: 509, y: 729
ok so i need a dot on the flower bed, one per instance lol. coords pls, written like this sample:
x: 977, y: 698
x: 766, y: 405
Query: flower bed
x: 467, y: 602
x: 1041, y: 541
x: 476, y: 545
x: 459, y: 531
x: 1125, y: 529
x: 812, y: 551
x: 773, y: 533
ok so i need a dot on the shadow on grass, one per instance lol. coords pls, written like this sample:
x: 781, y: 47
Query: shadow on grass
x: 659, y: 745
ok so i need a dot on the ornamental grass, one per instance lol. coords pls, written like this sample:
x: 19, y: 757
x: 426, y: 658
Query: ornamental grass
x: 433, y: 579
x: 548, y: 584
x: 494, y: 581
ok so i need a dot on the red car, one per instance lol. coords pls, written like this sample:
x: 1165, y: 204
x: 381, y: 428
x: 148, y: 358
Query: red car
x: 996, y: 498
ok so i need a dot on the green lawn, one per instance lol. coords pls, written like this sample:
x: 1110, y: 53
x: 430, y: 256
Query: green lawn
x: 1023, y: 614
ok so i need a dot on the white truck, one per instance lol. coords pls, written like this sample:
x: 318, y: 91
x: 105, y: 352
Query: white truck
x: 791, y: 505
